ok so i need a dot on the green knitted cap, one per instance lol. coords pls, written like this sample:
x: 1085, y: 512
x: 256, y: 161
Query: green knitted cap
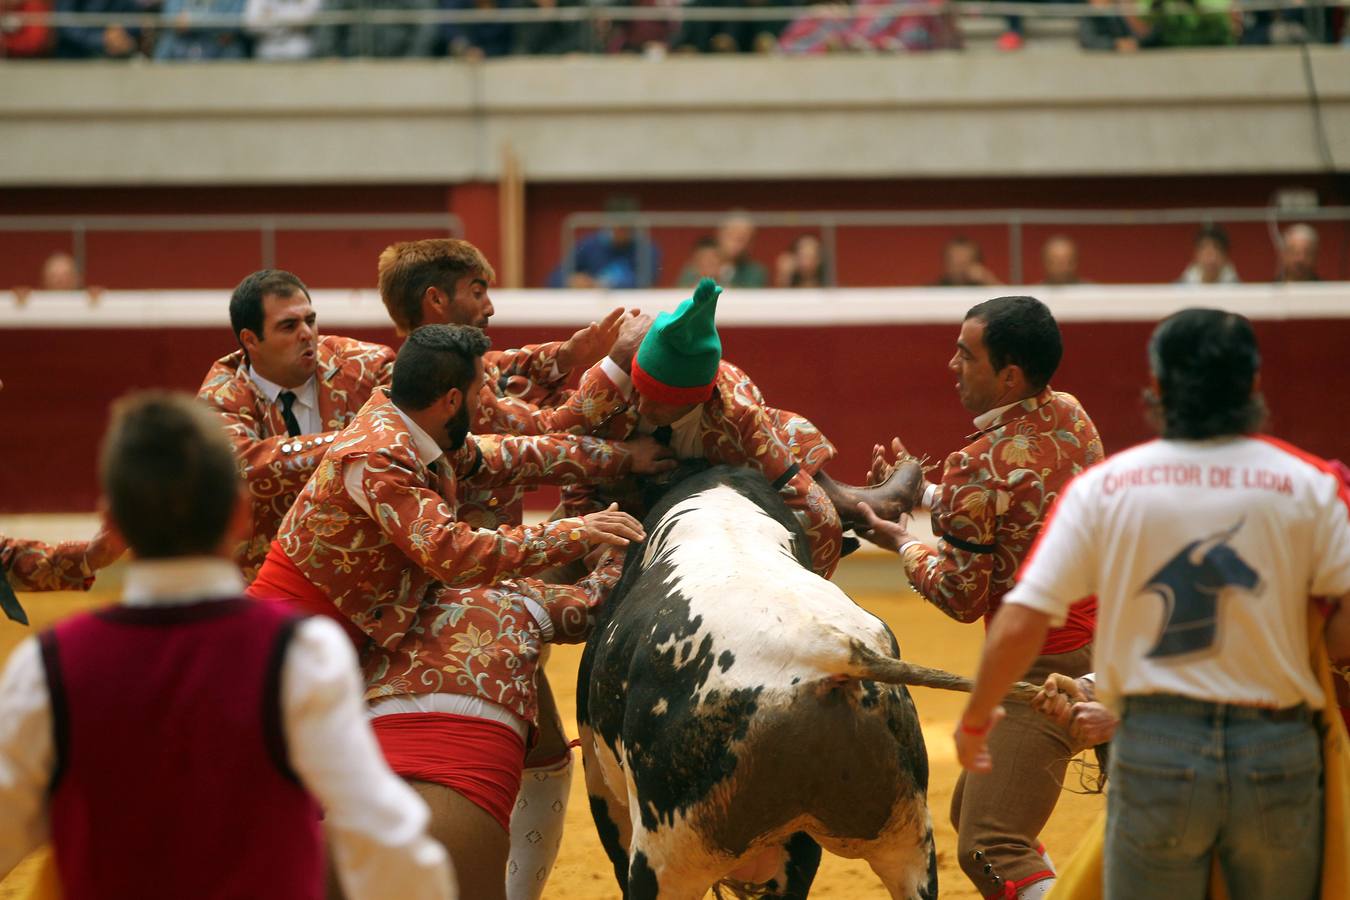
x: 681, y: 353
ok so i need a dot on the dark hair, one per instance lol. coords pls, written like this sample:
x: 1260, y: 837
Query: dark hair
x: 169, y: 475
x: 707, y: 242
x: 434, y: 359
x: 1021, y: 331
x: 1214, y: 234
x: 1206, y: 362
x: 246, y: 303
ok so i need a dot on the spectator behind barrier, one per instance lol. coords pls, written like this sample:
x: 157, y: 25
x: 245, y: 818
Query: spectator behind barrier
x: 475, y: 40
x: 760, y: 36
x: 1059, y: 259
x: 963, y: 265
x: 382, y: 41
x: 734, y: 237
x: 1298, y: 254
x: 1191, y: 23
x: 615, y: 258
x: 24, y: 40
x: 184, y: 41
x: 1119, y: 33
x: 818, y: 30
x: 1211, y: 263
x: 549, y: 38
x: 279, y: 27
x: 802, y: 265
x: 97, y: 42
x: 704, y: 262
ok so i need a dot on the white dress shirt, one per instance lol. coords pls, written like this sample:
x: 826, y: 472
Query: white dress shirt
x: 686, y: 432
x: 376, y: 824
x: 305, y: 407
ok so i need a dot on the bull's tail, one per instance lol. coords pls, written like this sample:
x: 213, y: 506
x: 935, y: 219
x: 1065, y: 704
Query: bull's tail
x: 866, y: 664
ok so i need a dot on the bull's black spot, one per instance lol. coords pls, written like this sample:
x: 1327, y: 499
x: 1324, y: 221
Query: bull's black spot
x: 803, y: 861
x: 609, y: 839
x: 642, y: 884
x: 795, y: 679
x: 725, y: 661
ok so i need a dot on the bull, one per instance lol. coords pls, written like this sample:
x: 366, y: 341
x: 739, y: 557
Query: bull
x: 738, y: 712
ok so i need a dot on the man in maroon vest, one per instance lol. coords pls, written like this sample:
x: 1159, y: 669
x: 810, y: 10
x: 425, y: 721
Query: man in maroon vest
x: 181, y: 743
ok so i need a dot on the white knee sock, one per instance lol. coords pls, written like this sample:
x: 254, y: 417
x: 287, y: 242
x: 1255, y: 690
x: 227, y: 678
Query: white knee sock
x: 537, y: 828
x: 1036, y: 891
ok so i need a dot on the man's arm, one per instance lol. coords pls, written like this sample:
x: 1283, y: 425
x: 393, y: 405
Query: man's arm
x: 26, y: 755
x: 377, y: 824
x: 1013, y: 643
x: 36, y: 566
x: 585, y: 411
x: 498, y: 460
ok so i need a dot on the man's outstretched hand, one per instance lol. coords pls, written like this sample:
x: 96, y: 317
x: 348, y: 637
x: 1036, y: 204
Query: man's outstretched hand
x: 633, y: 328
x: 610, y: 526
x: 589, y: 345
x: 885, y: 534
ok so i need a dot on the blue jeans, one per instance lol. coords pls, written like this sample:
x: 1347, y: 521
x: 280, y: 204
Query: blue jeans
x: 1193, y: 782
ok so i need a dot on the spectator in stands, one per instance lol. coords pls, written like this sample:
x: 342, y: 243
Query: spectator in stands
x: 475, y: 40
x: 704, y: 262
x: 963, y: 265
x: 1119, y: 33
x: 186, y: 40
x: 615, y: 257
x: 1191, y: 23
x: 280, y: 27
x: 549, y: 38
x: 1059, y: 259
x: 802, y: 265
x: 1298, y: 254
x: 734, y: 237
x: 24, y: 40
x: 1211, y: 263
x: 60, y: 272
x: 741, y: 36
x: 384, y: 40
x: 97, y: 42
x: 822, y: 27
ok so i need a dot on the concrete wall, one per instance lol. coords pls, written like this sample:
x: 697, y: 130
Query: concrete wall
x: 628, y: 119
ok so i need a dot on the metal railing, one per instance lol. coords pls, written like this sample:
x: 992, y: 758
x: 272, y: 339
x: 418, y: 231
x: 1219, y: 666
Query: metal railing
x: 675, y: 14
x: 267, y: 226
x: 828, y: 223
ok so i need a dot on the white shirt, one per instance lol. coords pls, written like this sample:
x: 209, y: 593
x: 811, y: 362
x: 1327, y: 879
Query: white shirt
x: 1240, y: 529
x: 686, y: 432
x: 376, y: 824
x: 305, y: 407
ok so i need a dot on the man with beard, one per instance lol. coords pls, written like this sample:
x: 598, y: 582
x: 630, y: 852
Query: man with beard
x: 994, y: 497
x: 451, y: 624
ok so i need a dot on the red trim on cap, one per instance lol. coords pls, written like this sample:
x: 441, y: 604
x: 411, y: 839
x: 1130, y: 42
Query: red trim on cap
x: 661, y: 392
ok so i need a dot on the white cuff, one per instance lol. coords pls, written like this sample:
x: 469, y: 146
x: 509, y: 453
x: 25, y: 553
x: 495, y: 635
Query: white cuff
x: 621, y: 379
x: 906, y: 545
x: 541, y: 618
x: 929, y: 494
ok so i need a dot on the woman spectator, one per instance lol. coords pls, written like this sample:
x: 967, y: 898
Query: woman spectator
x: 1211, y: 263
x: 20, y: 39
x: 802, y: 265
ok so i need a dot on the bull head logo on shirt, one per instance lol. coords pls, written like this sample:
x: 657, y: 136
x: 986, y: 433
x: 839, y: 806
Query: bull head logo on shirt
x: 1190, y: 585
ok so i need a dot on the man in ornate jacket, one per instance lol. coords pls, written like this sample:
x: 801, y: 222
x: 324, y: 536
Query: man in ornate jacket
x: 450, y: 620
x: 993, y: 500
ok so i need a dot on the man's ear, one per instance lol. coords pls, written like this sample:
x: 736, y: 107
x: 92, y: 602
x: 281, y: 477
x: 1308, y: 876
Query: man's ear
x: 435, y: 298
x: 249, y: 339
x: 453, y: 400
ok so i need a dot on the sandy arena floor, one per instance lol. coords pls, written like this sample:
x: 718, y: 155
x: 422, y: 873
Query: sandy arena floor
x: 584, y: 873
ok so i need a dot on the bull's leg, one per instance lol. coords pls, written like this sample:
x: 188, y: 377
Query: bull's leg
x: 612, y: 822
x: 907, y: 867
x: 799, y: 869
x: 649, y: 880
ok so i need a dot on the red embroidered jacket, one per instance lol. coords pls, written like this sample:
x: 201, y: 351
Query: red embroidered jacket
x: 994, y: 497
x: 384, y: 561
x: 35, y: 566
x: 274, y: 465
x: 738, y: 428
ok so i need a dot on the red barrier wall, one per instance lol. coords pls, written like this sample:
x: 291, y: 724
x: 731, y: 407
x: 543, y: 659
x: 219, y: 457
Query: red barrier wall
x: 867, y: 256
x: 860, y: 384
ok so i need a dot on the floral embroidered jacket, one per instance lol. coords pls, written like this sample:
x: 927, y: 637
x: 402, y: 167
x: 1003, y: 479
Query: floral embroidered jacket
x: 738, y: 428
x: 414, y: 577
x: 994, y: 497
x: 274, y: 465
x: 35, y: 566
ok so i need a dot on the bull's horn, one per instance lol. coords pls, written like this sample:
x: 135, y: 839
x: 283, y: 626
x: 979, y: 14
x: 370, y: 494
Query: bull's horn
x: 1205, y: 545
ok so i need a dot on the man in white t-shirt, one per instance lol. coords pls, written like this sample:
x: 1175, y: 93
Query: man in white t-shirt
x: 1203, y: 549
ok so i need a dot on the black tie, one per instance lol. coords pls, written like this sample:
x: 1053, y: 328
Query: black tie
x: 292, y: 423
x: 9, y: 603
x: 663, y: 434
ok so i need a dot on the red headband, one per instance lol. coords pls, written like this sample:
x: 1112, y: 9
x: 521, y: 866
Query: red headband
x: 661, y: 392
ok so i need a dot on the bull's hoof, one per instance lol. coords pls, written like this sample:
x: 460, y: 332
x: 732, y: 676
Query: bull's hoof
x: 897, y: 495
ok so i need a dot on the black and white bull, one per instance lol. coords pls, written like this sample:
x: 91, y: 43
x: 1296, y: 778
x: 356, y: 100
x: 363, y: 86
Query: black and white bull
x: 732, y: 716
